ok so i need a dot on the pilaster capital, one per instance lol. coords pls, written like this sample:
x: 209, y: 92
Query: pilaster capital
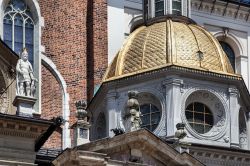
x: 233, y: 91
x: 173, y: 81
x: 111, y: 95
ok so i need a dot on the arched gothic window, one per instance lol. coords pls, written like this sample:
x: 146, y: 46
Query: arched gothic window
x: 230, y: 53
x: 18, y: 27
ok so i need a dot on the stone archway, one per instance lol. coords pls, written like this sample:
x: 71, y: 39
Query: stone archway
x: 65, y: 99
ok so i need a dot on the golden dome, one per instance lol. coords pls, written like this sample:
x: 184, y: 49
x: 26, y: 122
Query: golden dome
x: 165, y: 43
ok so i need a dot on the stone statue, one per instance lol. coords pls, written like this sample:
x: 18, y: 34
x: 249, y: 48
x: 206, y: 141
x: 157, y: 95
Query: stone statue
x: 132, y: 115
x: 26, y: 83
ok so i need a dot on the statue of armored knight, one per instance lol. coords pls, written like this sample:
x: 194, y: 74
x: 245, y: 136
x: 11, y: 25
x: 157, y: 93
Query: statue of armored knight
x: 26, y: 83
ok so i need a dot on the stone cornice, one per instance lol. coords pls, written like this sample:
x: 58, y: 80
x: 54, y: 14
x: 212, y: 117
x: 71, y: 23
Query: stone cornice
x: 22, y: 127
x: 222, y: 9
x: 176, y: 68
x: 142, y: 140
x: 20, y: 130
x: 220, y: 156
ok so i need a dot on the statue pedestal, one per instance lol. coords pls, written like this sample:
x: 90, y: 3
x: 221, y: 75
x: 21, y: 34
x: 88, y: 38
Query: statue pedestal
x: 81, y: 132
x: 24, y: 105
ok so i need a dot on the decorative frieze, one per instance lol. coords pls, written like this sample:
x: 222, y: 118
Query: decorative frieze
x: 220, y: 157
x: 221, y: 9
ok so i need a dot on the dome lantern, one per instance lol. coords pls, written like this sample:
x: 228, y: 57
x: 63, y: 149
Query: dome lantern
x: 155, y: 8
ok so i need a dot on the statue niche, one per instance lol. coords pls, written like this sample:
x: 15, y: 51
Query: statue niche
x: 26, y: 83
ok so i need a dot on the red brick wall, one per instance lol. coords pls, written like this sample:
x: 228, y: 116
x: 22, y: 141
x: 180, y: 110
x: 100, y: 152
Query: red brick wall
x: 75, y: 39
x: 51, y: 105
x: 97, y: 43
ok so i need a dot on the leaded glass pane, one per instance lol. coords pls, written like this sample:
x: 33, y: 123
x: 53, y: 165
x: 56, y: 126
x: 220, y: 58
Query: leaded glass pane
x: 189, y: 116
x: 145, y: 119
x: 31, y: 52
x: 18, y: 5
x: 7, y: 28
x: 199, y: 117
x: 18, y: 29
x: 230, y: 53
x: 23, y: 33
x: 176, y: 7
x: 154, y: 108
x: 18, y: 47
x: 159, y: 7
x: 150, y: 116
x: 145, y: 109
x: 198, y: 107
x: 29, y: 34
x: 155, y: 118
x: 154, y: 127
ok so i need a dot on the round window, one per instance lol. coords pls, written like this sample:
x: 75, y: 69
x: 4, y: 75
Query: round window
x: 150, y: 116
x: 199, y: 117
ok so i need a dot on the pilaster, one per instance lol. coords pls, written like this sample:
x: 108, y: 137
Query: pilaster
x: 173, y: 87
x: 111, y: 112
x: 234, y: 108
x: 248, y: 128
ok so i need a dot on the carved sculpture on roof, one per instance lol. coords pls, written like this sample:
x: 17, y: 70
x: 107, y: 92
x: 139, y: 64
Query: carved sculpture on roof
x: 81, y: 112
x: 132, y: 115
x: 26, y: 82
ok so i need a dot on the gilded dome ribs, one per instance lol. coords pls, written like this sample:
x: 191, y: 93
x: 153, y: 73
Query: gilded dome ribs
x: 169, y: 41
x: 144, y: 48
x: 163, y: 43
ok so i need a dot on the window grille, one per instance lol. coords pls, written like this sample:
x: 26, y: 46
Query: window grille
x: 150, y: 116
x: 199, y: 117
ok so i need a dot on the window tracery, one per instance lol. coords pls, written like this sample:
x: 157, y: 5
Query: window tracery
x: 18, y: 27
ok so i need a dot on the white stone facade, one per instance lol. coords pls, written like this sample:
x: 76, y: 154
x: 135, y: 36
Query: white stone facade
x: 172, y: 93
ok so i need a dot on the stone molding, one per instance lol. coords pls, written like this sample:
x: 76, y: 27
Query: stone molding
x: 220, y: 10
x: 133, y: 143
x: 20, y: 129
x: 66, y: 111
x: 211, y: 156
